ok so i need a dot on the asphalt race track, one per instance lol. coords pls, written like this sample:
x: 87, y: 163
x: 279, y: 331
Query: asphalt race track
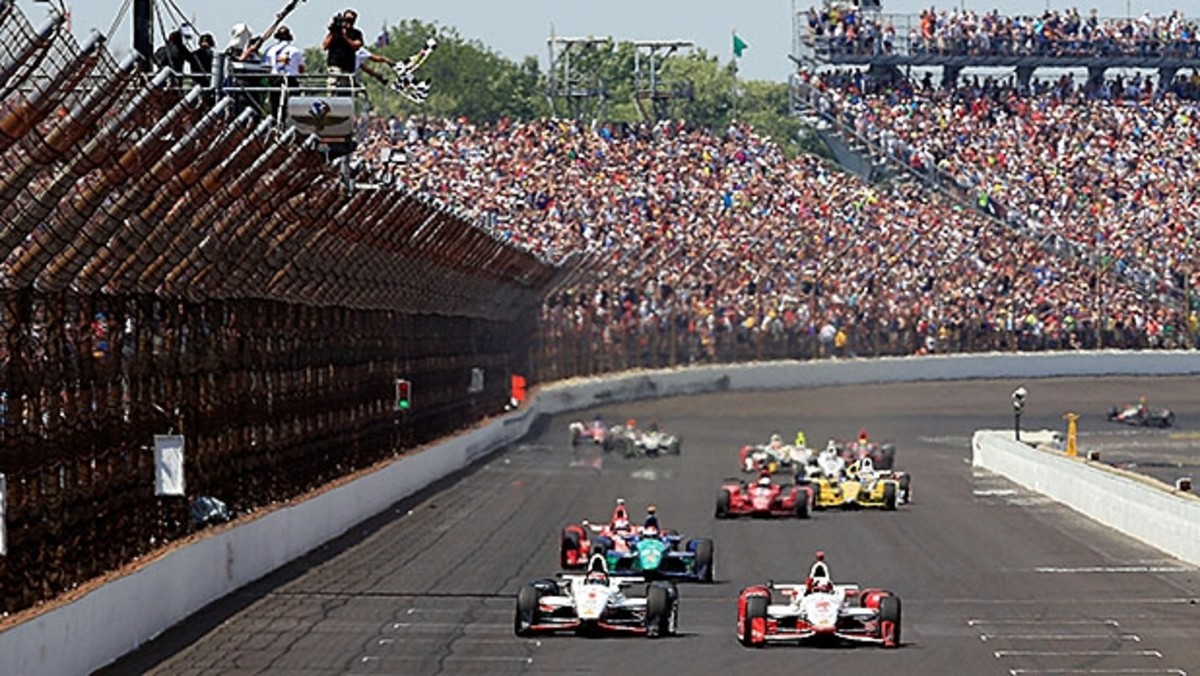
x: 994, y: 579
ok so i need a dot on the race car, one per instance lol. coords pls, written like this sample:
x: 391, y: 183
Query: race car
x: 594, y: 603
x: 764, y: 498
x: 882, y: 454
x: 773, y: 456
x: 860, y: 486
x: 658, y: 556
x: 1141, y: 415
x: 596, y: 432
x: 817, y: 610
x: 633, y: 441
x: 646, y: 551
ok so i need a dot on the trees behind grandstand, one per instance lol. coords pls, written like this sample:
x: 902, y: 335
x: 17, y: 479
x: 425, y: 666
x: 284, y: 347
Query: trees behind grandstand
x: 471, y: 79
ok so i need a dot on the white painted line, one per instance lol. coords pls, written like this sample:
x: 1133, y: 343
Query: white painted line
x: 1115, y: 569
x: 1067, y: 601
x: 1131, y: 670
x: 994, y: 492
x: 1001, y: 654
x: 1060, y: 637
x: 444, y: 625
x: 983, y: 621
x: 448, y: 658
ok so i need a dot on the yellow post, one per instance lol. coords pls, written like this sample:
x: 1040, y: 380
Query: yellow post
x: 1071, y: 433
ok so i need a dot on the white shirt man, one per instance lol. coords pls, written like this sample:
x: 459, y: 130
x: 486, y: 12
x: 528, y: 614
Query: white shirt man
x: 283, y: 57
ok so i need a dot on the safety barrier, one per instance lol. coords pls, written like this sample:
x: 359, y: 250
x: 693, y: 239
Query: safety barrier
x: 174, y: 266
x: 1142, y: 508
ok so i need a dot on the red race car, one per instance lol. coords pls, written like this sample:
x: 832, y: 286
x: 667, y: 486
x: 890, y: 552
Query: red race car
x: 763, y: 499
x: 580, y: 541
x: 817, y: 610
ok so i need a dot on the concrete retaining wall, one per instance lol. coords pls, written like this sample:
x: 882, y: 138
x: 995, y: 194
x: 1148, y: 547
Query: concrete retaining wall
x: 1136, y: 506
x: 115, y: 619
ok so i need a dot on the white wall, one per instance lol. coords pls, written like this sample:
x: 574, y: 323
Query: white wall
x: 81, y: 636
x: 1141, y: 508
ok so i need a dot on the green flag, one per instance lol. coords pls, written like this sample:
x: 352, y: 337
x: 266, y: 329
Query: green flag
x: 739, y: 46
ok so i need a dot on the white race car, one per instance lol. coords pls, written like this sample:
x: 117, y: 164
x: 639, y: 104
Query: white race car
x: 817, y: 609
x: 649, y: 442
x: 595, y: 603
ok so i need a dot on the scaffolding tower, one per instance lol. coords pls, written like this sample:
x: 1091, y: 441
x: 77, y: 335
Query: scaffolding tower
x: 656, y: 97
x: 575, y: 88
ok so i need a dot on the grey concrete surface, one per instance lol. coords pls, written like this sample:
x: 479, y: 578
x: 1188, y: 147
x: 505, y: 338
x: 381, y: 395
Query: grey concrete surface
x: 994, y: 579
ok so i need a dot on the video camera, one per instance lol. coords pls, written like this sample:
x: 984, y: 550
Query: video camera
x: 337, y: 23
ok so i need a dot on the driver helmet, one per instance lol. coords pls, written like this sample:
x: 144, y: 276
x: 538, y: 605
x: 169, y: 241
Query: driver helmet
x: 621, y: 525
x: 822, y: 585
x: 596, y: 577
x: 651, y: 524
x: 764, y: 480
x: 631, y: 423
x: 776, y: 440
x: 830, y: 448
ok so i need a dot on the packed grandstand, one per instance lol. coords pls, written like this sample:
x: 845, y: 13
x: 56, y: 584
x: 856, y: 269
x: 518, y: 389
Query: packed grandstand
x: 717, y: 230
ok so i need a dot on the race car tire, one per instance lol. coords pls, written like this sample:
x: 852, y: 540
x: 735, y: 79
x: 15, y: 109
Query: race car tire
x: 889, y: 496
x: 1112, y: 413
x: 722, y: 511
x: 1167, y: 420
x: 570, y: 543
x: 906, y: 488
x: 526, y: 614
x: 801, y: 509
x: 675, y: 447
x: 889, y: 612
x: 660, y: 611
x: 704, y: 560
x: 756, y: 609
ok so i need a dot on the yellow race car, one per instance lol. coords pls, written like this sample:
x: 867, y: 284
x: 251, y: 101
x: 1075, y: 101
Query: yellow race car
x: 854, y: 490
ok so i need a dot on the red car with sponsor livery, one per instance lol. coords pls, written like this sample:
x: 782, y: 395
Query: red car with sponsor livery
x: 817, y: 610
x: 763, y: 498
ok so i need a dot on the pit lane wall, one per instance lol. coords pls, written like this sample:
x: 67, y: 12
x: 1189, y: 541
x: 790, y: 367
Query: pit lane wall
x: 1138, y: 506
x: 104, y: 624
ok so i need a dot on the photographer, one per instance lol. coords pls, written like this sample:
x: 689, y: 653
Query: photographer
x: 341, y: 45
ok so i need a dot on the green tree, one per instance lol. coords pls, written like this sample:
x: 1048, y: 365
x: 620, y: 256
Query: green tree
x: 469, y: 79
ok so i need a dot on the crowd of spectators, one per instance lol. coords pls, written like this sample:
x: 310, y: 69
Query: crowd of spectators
x: 718, y: 231
x: 846, y: 29
x: 1114, y: 175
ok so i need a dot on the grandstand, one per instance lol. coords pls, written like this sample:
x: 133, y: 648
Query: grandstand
x: 951, y: 39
